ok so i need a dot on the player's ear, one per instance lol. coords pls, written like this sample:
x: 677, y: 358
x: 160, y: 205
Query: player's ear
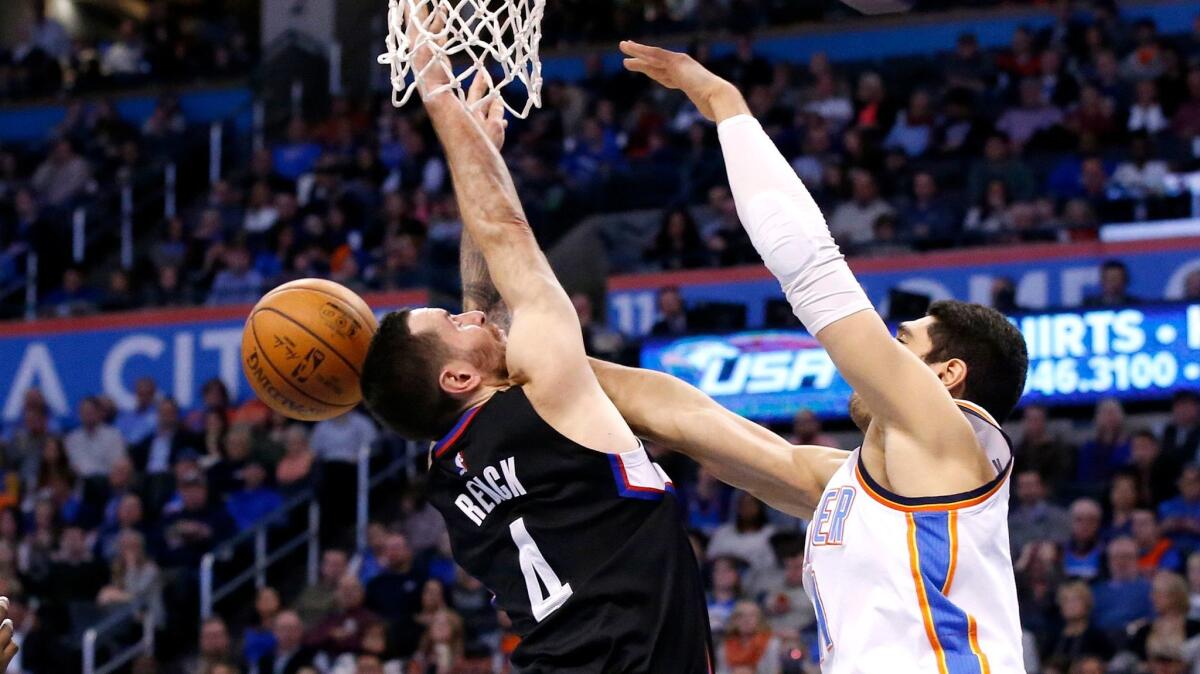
x: 458, y: 377
x: 953, y: 374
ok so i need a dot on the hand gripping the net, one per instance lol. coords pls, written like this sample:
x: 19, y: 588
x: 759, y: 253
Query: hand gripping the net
x: 466, y: 37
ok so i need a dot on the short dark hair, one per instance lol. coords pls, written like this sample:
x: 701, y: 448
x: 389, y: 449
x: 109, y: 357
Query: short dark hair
x: 400, y: 380
x: 992, y: 347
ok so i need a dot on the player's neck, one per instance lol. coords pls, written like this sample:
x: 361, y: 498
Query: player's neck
x: 481, y: 395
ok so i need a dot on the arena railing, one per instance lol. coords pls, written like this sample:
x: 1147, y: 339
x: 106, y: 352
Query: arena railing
x: 211, y: 592
x: 264, y: 559
x: 140, y: 610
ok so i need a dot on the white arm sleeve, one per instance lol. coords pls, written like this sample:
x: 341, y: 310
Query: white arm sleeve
x: 787, y: 228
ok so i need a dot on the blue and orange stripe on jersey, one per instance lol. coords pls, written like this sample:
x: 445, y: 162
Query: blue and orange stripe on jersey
x: 953, y: 634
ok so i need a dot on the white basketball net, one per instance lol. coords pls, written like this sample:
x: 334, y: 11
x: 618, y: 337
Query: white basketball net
x: 476, y: 35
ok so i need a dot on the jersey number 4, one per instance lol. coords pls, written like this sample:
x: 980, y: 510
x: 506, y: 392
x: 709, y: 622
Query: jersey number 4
x: 538, y: 574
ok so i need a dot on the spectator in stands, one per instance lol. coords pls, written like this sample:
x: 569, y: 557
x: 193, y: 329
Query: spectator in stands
x: 852, y: 222
x: 23, y: 450
x: 913, y: 131
x: 1094, y: 115
x: 748, y: 644
x: 73, y: 298
x: 420, y: 522
x: 707, y: 504
x: 1108, y: 449
x: 1078, y: 636
x: 134, y: 576
x: 62, y: 177
x: 1041, y: 449
x: 197, y: 527
x: 442, y: 646
x: 672, y: 320
x: 225, y: 476
x: 927, y: 216
x: 1156, y: 475
x: 258, y: 639
x: 433, y: 601
x: 747, y: 537
x: 725, y: 590
x: 1155, y: 551
x: 342, y: 630
x: 806, y: 430
x: 155, y: 455
x: 998, y: 164
x: 1084, y: 548
x: 1124, y: 597
x: 781, y: 592
x: 289, y: 655
x: 1146, y: 114
x: 337, y: 444
x: 1180, y: 516
x: 298, y: 155
x: 238, y: 282
x: 216, y: 647
x: 829, y: 102
x: 255, y: 499
x: 992, y: 215
x: 1034, y: 517
x: 1033, y: 115
x: 678, y: 244
x: 294, y: 470
x: 93, y: 448
x: 600, y: 340
x: 395, y: 594
x: 1142, y: 175
x: 1122, y: 504
x: 1171, y: 624
x: 138, y: 422
x: 969, y: 68
x: 124, y: 59
x: 129, y: 516
x: 315, y: 602
x: 1181, y: 435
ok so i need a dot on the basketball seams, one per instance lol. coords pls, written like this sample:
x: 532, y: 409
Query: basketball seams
x: 312, y: 334
x: 367, y: 321
x: 265, y: 357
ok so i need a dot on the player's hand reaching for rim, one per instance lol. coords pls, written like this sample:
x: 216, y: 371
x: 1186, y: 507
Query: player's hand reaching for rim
x: 489, y: 113
x: 715, y: 97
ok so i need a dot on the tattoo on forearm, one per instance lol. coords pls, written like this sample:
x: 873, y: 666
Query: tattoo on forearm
x: 478, y: 291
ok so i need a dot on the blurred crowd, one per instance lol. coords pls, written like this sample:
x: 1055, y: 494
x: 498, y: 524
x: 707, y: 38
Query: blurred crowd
x: 174, y: 44
x: 119, y: 508
x: 1087, y: 122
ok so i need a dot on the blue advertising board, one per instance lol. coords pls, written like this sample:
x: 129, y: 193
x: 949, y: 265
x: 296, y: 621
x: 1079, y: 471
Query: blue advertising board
x: 69, y: 359
x: 1047, y: 276
x: 1076, y: 357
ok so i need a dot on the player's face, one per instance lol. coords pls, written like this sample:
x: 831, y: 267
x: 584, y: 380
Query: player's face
x: 912, y: 335
x: 468, y: 333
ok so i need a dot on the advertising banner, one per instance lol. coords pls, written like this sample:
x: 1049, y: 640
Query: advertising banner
x: 1047, y: 276
x: 1076, y: 357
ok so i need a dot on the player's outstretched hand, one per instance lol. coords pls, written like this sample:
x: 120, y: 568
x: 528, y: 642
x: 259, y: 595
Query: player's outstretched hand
x: 8, y: 647
x: 431, y: 70
x: 714, y: 97
x: 490, y: 113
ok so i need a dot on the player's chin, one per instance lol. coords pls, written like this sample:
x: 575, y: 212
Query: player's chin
x: 859, y: 414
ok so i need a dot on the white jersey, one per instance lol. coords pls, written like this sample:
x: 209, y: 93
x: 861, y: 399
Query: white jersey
x: 915, y: 584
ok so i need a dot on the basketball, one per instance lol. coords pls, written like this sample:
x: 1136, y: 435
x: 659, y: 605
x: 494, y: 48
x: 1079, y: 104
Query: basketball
x: 303, y: 348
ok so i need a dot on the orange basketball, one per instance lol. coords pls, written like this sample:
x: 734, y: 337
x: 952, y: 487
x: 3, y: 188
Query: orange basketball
x: 303, y: 348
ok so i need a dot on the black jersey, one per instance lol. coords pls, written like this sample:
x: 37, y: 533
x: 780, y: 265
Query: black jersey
x: 585, y: 551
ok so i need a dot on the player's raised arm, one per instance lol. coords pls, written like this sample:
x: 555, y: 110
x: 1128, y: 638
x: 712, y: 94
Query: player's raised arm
x: 739, y: 452
x: 545, y: 350
x: 790, y: 234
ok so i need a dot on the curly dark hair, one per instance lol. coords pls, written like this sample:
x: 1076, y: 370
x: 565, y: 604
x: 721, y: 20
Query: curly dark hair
x: 991, y: 346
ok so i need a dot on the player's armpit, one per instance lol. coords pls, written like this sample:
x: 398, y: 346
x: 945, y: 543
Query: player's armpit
x: 669, y: 412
